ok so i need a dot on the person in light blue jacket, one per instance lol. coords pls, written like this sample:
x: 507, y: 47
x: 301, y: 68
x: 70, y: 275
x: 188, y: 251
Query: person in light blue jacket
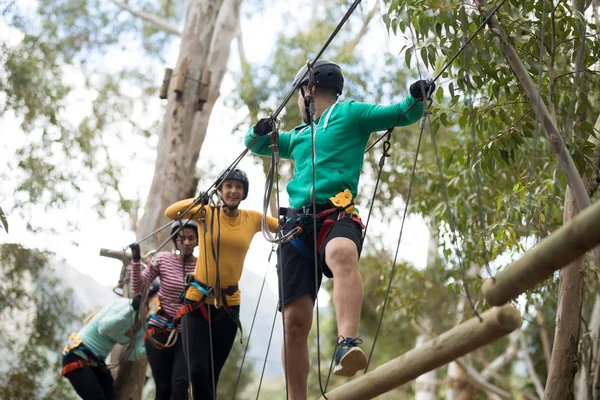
x: 86, y: 351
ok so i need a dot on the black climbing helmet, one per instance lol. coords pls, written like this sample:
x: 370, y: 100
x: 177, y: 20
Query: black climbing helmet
x: 326, y: 73
x: 187, y: 223
x: 235, y: 175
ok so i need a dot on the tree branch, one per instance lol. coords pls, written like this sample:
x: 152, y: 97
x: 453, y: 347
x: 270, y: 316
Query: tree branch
x: 594, y: 180
x: 539, y: 388
x: 479, y: 382
x: 152, y: 19
x: 473, y: 376
x: 503, y: 359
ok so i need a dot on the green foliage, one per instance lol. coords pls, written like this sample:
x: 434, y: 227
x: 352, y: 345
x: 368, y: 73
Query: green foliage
x: 33, y: 296
x: 58, y: 53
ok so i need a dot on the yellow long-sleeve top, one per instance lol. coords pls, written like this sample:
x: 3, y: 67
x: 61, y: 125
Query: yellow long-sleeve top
x: 236, y: 236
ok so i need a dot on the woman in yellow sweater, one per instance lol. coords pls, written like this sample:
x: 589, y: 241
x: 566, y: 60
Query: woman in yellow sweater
x: 225, y: 234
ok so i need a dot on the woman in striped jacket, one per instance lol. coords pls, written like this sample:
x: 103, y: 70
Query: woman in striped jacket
x: 164, y: 349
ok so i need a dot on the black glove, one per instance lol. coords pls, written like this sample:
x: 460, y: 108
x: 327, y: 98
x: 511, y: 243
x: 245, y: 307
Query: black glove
x: 203, y: 199
x: 135, y: 302
x: 264, y: 126
x: 421, y: 87
x: 136, y: 254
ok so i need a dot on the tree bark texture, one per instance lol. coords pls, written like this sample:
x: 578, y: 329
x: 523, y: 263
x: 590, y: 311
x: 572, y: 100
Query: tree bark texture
x: 563, y: 364
x: 205, y: 45
x: 425, y: 385
x: 584, y: 381
x: 205, y: 42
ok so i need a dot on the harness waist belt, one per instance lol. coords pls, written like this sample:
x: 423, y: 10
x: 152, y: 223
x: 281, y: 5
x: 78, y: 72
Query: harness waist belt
x: 72, y: 366
x: 204, y: 289
x: 307, y: 210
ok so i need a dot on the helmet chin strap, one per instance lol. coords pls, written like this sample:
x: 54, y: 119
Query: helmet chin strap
x: 230, y: 208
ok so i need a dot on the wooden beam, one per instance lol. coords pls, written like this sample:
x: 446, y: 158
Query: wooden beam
x: 450, y: 345
x: 564, y: 246
x: 164, y: 88
x: 123, y: 256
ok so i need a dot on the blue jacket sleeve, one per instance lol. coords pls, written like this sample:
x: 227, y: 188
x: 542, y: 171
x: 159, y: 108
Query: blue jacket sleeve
x: 116, y: 323
x: 261, y: 145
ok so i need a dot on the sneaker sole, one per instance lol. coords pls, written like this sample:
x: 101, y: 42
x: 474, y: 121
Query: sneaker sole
x: 352, y: 362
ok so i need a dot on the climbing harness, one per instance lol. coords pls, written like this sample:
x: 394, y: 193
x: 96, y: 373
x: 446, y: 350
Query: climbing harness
x: 207, y: 293
x: 87, y: 356
x: 339, y: 207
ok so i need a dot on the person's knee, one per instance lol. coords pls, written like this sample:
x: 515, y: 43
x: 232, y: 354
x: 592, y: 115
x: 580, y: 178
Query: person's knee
x: 180, y: 384
x: 341, y: 255
x: 198, y: 369
x: 298, y: 319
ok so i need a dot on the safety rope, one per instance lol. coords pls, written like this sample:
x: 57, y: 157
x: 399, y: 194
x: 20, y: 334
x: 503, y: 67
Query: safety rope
x: 446, y: 66
x: 296, y: 85
x: 262, y: 286
x: 450, y: 215
x: 394, y: 263
x: 442, y: 180
x: 274, y: 116
x: 537, y: 123
x: 208, y: 313
x: 268, y: 188
x: 476, y: 167
x: 310, y: 109
x: 387, y: 144
x: 262, y: 374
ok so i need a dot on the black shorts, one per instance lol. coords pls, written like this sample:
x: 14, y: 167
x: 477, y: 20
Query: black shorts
x: 296, y: 266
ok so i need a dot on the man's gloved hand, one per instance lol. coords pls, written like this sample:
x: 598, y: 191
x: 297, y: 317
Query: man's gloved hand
x: 264, y: 126
x: 136, y: 254
x: 422, y: 89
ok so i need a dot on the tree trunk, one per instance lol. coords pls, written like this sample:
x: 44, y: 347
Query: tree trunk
x: 210, y: 25
x: 426, y: 385
x: 585, y: 376
x: 563, y: 365
x: 205, y: 42
x: 458, y: 384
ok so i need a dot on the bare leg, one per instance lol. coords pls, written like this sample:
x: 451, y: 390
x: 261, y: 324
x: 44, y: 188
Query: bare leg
x: 341, y: 256
x: 298, y: 321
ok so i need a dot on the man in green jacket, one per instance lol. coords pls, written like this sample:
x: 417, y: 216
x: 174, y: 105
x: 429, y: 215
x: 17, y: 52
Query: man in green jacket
x: 341, y: 132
